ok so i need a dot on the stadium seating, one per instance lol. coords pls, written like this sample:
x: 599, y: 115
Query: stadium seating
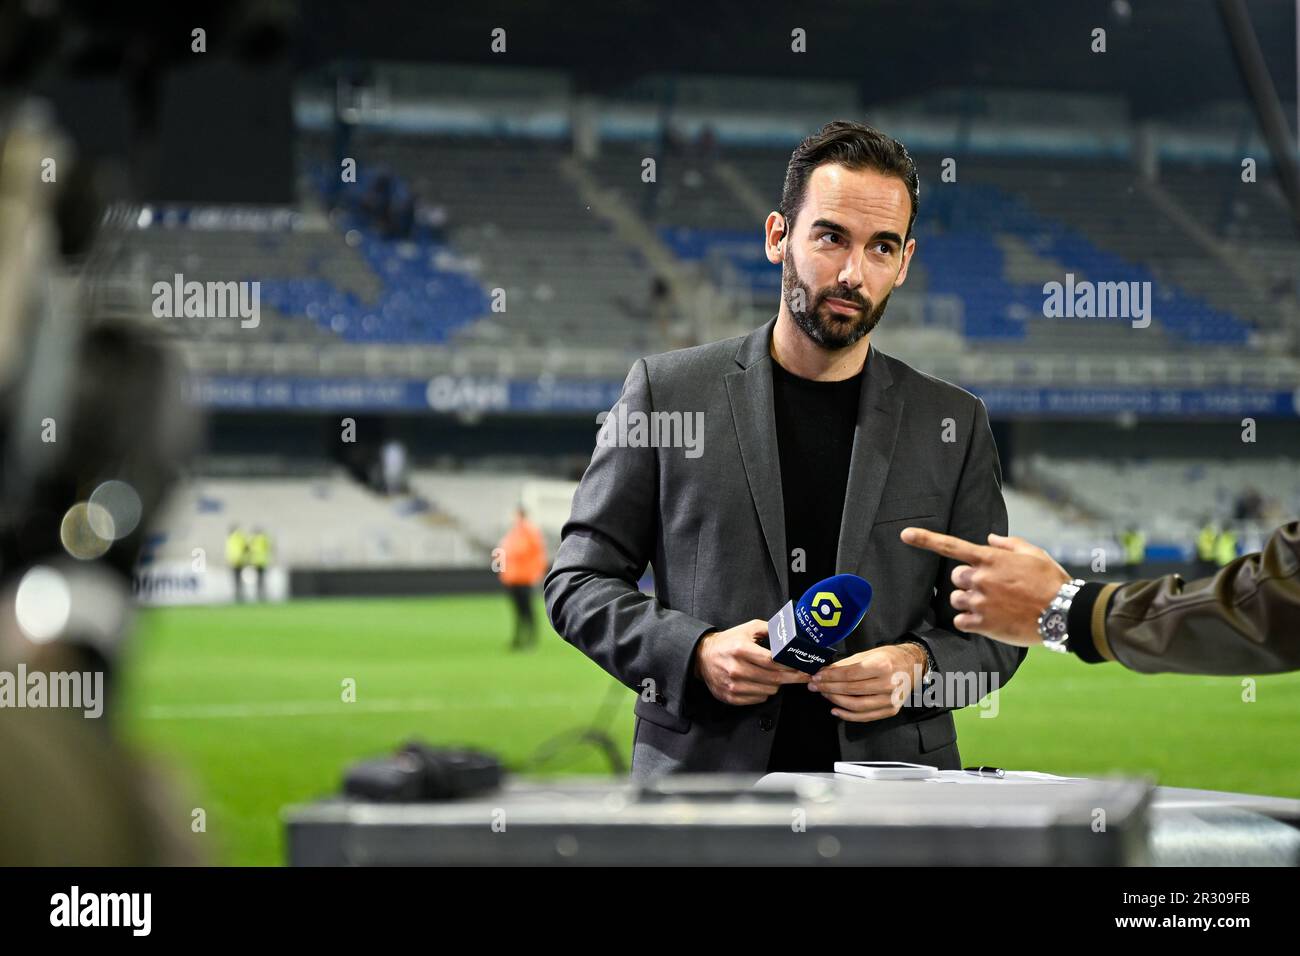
x: 323, y: 522
x: 509, y: 218
x: 1069, y: 534
x: 1171, y: 498
x: 511, y: 211
x: 454, y: 519
x: 448, y: 520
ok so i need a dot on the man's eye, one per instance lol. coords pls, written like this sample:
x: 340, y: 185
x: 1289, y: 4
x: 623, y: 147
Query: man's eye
x: 884, y: 248
x: 830, y: 235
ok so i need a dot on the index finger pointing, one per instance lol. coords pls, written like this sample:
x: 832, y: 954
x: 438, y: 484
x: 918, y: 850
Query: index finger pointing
x: 944, y: 544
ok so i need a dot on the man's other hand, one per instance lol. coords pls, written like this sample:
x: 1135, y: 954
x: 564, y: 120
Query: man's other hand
x: 871, y: 685
x: 739, y: 670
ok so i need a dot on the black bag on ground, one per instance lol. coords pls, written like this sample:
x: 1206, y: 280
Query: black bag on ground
x: 418, y: 772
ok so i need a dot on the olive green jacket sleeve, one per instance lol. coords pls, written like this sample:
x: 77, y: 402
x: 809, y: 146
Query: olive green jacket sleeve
x: 1243, y: 620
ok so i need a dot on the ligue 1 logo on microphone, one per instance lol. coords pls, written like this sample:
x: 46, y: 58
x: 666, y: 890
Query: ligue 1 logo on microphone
x: 822, y: 603
x: 801, y: 635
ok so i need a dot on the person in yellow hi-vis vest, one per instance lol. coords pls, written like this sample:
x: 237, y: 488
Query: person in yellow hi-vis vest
x: 1205, y: 544
x: 1134, y: 544
x: 259, y: 556
x: 237, y: 557
x: 1225, y: 547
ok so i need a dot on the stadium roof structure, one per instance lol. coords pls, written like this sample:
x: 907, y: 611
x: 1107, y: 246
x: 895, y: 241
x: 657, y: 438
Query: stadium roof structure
x: 1164, y: 58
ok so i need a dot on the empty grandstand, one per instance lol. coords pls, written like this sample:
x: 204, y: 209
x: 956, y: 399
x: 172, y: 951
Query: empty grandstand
x: 438, y: 270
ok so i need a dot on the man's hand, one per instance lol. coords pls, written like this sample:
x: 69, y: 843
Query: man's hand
x: 1001, y: 589
x: 738, y: 669
x: 871, y: 685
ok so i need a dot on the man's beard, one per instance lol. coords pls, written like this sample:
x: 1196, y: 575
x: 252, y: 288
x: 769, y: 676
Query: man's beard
x: 832, y: 330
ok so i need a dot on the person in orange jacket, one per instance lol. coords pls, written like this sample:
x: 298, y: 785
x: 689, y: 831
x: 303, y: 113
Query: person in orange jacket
x: 521, y: 557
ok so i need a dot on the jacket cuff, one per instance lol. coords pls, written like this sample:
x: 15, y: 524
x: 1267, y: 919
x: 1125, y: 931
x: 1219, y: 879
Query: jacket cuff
x: 1086, y: 623
x: 675, y: 701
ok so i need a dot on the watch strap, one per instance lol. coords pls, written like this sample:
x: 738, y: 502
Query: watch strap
x: 1079, y: 623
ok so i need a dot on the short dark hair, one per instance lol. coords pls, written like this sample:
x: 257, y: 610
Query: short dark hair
x: 855, y: 146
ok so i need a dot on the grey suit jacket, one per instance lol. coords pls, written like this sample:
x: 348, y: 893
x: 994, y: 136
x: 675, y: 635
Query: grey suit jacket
x: 710, y: 520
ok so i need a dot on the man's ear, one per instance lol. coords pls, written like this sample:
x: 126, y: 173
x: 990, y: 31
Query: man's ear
x: 909, y: 247
x: 776, y: 245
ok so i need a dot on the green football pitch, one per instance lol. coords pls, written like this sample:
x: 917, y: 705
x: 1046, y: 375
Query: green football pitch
x: 245, y: 706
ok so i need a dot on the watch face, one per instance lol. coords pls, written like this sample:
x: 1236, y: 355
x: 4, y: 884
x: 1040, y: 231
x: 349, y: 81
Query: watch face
x: 1054, y: 626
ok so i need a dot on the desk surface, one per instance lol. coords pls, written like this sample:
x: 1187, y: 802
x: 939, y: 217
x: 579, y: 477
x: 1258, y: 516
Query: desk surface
x: 807, y: 819
x: 1164, y: 798
x: 728, y: 821
x: 1187, y: 827
x: 804, y: 819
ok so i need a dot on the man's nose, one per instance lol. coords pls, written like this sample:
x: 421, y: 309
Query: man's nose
x: 851, y: 272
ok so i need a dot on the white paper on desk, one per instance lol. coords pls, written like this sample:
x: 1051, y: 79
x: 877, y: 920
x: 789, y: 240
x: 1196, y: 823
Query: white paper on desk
x: 1010, y: 777
x: 779, y: 780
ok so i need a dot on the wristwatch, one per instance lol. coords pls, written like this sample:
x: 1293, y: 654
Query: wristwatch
x: 930, y: 665
x: 1052, y: 623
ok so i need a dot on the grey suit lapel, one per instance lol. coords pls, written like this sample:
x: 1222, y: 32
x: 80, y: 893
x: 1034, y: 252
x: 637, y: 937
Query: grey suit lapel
x: 879, y: 414
x: 750, y: 392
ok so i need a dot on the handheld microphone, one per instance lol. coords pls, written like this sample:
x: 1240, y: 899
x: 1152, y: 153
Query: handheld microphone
x: 802, y: 634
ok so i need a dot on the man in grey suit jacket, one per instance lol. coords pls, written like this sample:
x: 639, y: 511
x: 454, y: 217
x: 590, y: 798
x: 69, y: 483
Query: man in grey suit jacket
x: 688, y: 477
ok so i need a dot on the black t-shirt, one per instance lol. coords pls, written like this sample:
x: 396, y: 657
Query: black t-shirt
x: 815, y: 422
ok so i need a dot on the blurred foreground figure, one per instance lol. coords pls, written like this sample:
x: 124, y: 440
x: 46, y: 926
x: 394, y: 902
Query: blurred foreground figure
x: 1243, y: 620
x: 523, y: 564
x: 92, y: 431
x: 73, y: 796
